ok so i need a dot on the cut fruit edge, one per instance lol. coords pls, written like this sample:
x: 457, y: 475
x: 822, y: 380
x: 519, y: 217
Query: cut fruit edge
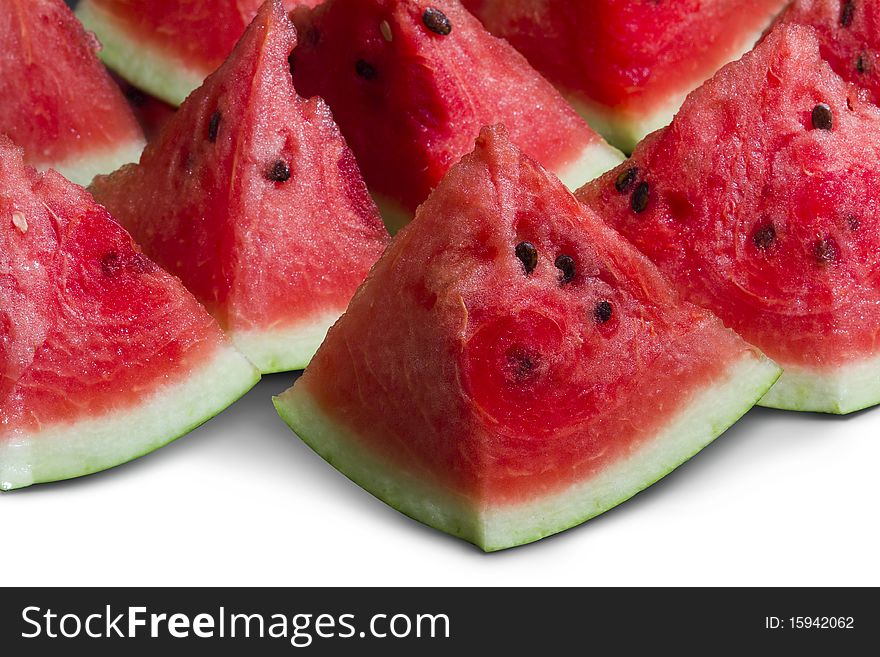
x: 625, y: 130
x: 707, y: 416
x: 285, y: 349
x: 142, y: 65
x: 65, y: 451
x: 83, y: 168
x: 594, y: 160
x: 846, y: 389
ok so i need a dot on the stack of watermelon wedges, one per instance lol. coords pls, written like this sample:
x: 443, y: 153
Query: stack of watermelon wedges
x: 553, y: 327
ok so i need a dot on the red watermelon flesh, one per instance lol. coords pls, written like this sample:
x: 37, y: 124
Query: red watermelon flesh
x: 627, y: 64
x: 58, y: 103
x: 411, y: 84
x: 513, y: 367
x: 168, y: 47
x: 849, y: 37
x: 759, y: 201
x: 103, y: 356
x: 252, y: 198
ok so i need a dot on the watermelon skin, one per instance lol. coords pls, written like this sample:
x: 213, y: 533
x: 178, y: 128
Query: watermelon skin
x: 168, y: 47
x: 104, y: 356
x: 627, y: 65
x: 768, y: 221
x: 276, y: 262
x: 849, y: 37
x: 59, y: 104
x: 495, y: 405
x: 426, y: 96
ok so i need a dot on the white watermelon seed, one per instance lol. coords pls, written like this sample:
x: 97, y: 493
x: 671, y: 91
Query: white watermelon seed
x: 385, y: 29
x: 20, y: 222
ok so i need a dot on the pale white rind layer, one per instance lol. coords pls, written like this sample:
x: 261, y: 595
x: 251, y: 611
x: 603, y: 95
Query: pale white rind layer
x: 286, y: 349
x: 594, y: 160
x: 845, y: 389
x: 82, y: 170
x: 704, y: 418
x: 625, y: 130
x: 65, y: 451
x: 144, y: 65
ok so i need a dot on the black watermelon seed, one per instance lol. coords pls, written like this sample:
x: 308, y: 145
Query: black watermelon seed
x: 603, y: 312
x: 111, y: 264
x: 822, y: 117
x: 847, y: 9
x: 862, y: 62
x: 853, y: 222
x: 364, y: 69
x: 625, y: 180
x: 528, y: 256
x: 764, y: 237
x: 279, y: 172
x: 436, y: 21
x: 641, y: 197
x: 565, y: 264
x: 214, y: 126
x: 826, y: 251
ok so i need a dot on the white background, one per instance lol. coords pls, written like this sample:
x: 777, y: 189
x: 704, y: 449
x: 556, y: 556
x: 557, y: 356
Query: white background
x: 780, y: 499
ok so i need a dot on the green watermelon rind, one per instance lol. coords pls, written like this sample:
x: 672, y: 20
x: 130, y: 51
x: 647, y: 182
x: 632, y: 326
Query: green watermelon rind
x: 592, y: 162
x: 709, y: 415
x: 141, y: 64
x: 82, y: 168
x: 285, y: 349
x: 68, y: 451
x: 847, y: 389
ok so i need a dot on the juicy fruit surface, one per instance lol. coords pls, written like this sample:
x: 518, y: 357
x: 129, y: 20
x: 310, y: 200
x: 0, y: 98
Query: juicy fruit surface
x: 199, y: 34
x: 758, y: 202
x: 58, y: 103
x: 250, y: 194
x: 626, y: 54
x: 849, y: 37
x: 499, y: 377
x: 89, y: 325
x: 411, y: 90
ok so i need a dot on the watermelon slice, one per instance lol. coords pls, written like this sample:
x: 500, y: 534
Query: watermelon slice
x: 168, y: 47
x: 58, y: 103
x: 252, y: 198
x: 103, y: 356
x: 759, y: 202
x: 513, y: 367
x: 627, y: 65
x: 411, y: 85
x: 849, y: 37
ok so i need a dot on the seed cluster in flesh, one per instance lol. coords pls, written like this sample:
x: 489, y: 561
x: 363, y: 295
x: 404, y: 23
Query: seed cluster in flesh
x: 527, y: 254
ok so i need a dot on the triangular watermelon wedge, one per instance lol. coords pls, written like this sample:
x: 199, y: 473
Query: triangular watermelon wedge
x: 513, y: 367
x: 252, y: 198
x: 103, y: 356
x: 168, y: 47
x: 56, y: 99
x: 411, y: 84
x: 627, y: 65
x: 760, y: 203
